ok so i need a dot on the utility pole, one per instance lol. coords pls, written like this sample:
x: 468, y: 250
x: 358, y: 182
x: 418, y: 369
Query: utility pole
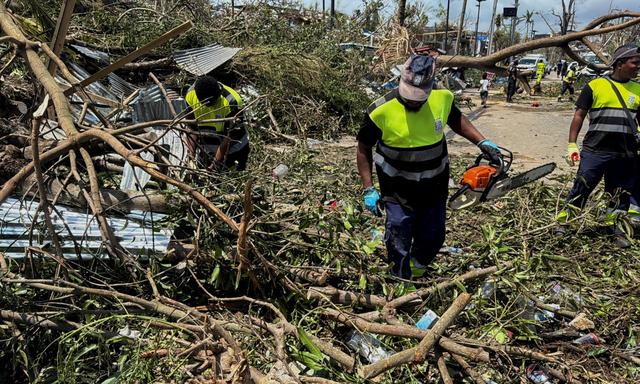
x: 446, y: 27
x: 333, y: 13
x: 512, y: 37
x: 460, y: 23
x: 493, y: 23
x: 475, y: 42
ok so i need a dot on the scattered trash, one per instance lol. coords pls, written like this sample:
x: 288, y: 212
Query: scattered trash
x: 313, y: 142
x: 582, y: 323
x: 537, y: 375
x: 376, y: 234
x: 367, y: 346
x: 561, y: 293
x: 130, y: 333
x: 452, y: 250
x: 501, y: 335
x: 280, y: 171
x: 488, y: 289
x: 545, y: 315
x: 427, y: 320
x: 589, y: 338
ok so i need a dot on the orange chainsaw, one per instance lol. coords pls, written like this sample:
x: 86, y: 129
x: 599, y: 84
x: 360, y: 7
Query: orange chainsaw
x: 487, y: 181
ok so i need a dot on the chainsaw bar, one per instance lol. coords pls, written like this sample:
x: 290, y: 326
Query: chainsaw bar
x: 503, y: 186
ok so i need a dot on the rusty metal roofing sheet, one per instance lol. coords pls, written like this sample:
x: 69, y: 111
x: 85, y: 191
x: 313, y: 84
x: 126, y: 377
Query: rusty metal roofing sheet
x: 134, y: 232
x: 200, y: 61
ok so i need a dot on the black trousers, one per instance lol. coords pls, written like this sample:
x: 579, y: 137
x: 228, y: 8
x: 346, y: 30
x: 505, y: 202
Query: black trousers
x: 619, y: 178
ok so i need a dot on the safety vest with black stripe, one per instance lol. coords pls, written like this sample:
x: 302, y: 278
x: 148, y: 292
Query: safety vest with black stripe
x: 610, y: 129
x: 412, y: 146
x: 227, y: 104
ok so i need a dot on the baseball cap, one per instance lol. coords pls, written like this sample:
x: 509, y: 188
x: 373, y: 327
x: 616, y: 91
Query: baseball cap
x: 625, y: 51
x: 416, y: 80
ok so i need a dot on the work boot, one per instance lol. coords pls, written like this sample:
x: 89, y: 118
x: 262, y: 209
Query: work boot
x: 621, y: 241
x: 559, y: 230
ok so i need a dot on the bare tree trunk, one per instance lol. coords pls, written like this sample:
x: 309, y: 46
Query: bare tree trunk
x: 460, y: 23
x: 402, y: 10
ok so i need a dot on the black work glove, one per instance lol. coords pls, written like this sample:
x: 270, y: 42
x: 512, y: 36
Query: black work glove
x: 491, y: 151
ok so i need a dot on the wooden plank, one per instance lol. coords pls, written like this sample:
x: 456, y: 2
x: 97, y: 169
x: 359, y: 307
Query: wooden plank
x: 132, y: 56
x: 64, y: 19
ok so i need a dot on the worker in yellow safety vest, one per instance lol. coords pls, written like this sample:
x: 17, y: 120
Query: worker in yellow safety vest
x: 567, y: 82
x: 610, y: 146
x: 220, y: 142
x: 406, y: 127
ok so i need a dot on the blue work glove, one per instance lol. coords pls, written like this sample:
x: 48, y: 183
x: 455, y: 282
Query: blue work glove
x: 491, y: 151
x: 371, y: 199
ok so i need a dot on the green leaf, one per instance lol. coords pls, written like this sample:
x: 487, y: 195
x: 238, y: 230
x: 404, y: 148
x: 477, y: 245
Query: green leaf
x: 214, y: 274
x: 347, y: 224
x: 304, y: 338
x: 311, y: 361
x: 363, y: 282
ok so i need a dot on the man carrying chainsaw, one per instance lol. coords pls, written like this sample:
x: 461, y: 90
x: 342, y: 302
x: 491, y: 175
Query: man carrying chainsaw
x: 407, y: 128
x: 611, y: 144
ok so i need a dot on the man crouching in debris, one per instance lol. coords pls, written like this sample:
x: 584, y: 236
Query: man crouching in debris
x: 220, y: 144
x: 412, y: 164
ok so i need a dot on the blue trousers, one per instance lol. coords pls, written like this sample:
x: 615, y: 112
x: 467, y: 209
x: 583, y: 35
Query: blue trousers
x: 619, y: 177
x: 417, y: 233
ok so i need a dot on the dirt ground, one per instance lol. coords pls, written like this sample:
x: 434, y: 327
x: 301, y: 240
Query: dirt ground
x: 535, y: 135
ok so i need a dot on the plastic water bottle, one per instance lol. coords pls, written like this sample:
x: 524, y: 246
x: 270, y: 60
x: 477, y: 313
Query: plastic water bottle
x: 536, y: 375
x: 427, y: 320
x: 367, y: 346
x: 280, y: 171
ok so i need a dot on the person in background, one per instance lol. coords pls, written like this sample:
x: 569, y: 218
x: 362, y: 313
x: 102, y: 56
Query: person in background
x: 512, y: 80
x: 220, y: 144
x: 559, y: 68
x: 567, y: 83
x: 484, y: 90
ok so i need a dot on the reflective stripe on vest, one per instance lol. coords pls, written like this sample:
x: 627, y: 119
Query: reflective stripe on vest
x: 606, y: 113
x: 226, y: 103
x: 392, y: 171
x: 412, y: 145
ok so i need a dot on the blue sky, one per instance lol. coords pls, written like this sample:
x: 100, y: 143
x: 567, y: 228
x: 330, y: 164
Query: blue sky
x: 587, y: 10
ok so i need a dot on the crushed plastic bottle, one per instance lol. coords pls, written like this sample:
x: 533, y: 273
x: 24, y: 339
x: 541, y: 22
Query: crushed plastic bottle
x: 427, y: 320
x: 367, y: 346
x: 488, y: 289
x: 564, y: 294
x: 376, y: 234
x: 546, y: 315
x: 453, y: 250
x: 589, y: 338
x: 280, y: 171
x: 537, y: 375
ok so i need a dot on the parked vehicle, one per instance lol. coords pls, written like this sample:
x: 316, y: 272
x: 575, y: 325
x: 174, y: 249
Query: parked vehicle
x: 529, y: 62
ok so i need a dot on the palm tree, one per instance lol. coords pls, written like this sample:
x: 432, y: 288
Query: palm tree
x: 528, y: 19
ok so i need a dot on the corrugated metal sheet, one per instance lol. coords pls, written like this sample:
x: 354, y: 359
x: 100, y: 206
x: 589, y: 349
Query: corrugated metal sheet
x: 120, y: 87
x: 151, y: 105
x: 200, y: 61
x: 99, y: 56
x: 134, y: 232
